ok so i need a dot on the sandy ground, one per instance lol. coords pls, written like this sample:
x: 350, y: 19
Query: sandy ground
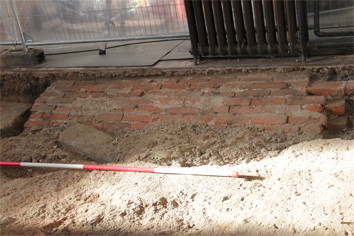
x: 307, y: 188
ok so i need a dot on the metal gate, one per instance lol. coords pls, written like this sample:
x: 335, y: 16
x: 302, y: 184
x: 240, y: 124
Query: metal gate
x: 255, y: 28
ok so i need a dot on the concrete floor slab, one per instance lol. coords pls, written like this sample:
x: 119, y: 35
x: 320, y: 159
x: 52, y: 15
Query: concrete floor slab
x: 89, y: 142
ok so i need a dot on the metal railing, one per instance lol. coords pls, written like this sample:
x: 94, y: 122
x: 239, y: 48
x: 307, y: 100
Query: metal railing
x: 50, y: 22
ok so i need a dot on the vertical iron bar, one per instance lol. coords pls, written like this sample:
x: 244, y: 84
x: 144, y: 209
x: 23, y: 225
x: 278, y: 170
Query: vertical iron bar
x: 218, y: 18
x: 303, y: 28
x: 210, y: 24
x: 18, y: 26
x: 248, y: 15
x: 192, y: 29
x: 280, y: 18
x: 292, y: 27
x: 258, y: 13
x: 230, y: 29
x: 240, y: 29
x: 270, y: 23
x: 199, y: 16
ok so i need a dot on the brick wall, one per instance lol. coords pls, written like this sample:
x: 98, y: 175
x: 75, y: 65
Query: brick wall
x: 285, y: 101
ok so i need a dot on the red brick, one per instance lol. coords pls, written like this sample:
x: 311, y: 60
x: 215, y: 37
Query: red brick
x: 349, y: 88
x: 199, y: 119
x: 136, y: 126
x: 218, y: 94
x: 306, y: 100
x: 235, y: 119
x: 167, y: 118
x: 299, y: 84
x: 94, y: 88
x: 282, y: 109
x: 31, y: 123
x: 325, y: 88
x: 246, y: 109
x: 63, y: 109
x: 336, y: 107
x: 313, y: 108
x: 37, y: 115
x: 188, y: 93
x: 255, y: 77
x: 181, y: 110
x: 64, y: 100
x: 221, y: 109
x: 175, y: 86
x: 253, y: 93
x: 146, y: 87
x: 312, y: 129
x: 137, y: 118
x: 40, y: 100
x: 237, y: 101
x: 171, y: 100
x: 83, y: 95
x: 204, y: 85
x: 338, y: 123
x: 69, y: 88
x: 116, y: 125
x: 240, y: 85
x: 265, y: 85
x: 269, y: 119
x: 42, y: 108
x: 136, y: 101
x: 58, y: 116
x: 285, y: 92
x: 308, y: 120
x: 131, y: 94
x: 149, y: 108
x: 267, y: 101
x: 109, y: 117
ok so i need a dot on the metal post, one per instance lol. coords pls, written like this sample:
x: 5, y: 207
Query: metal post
x: 18, y: 25
x: 303, y: 28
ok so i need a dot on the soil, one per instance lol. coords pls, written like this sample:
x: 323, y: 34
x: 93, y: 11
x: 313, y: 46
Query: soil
x: 307, y: 187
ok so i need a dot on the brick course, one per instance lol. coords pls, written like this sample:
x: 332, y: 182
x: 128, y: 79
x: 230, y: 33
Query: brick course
x: 274, y: 102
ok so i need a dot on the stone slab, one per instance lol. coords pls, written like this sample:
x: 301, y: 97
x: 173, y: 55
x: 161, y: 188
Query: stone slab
x: 14, y: 58
x: 90, y: 142
x: 13, y: 115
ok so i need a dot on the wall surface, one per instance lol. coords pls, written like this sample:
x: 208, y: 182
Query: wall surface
x: 290, y: 102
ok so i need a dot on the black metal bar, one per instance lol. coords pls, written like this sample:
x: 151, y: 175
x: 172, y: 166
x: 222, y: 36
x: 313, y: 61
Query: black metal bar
x: 210, y: 24
x: 240, y: 29
x: 192, y: 30
x: 303, y: 28
x: 292, y: 27
x: 280, y: 19
x: 317, y: 29
x: 248, y: 16
x: 229, y: 24
x: 202, y: 34
x: 258, y: 13
x: 219, y: 22
x: 270, y: 23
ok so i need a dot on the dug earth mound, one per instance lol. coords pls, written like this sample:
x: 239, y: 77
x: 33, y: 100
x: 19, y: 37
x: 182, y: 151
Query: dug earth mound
x: 307, y: 187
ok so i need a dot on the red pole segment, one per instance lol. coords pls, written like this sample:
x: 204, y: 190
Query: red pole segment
x: 6, y: 163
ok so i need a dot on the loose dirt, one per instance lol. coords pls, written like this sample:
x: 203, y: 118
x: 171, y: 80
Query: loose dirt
x: 307, y: 188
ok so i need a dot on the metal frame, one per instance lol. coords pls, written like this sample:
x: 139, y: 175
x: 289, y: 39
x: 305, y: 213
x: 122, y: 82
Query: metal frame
x: 317, y: 29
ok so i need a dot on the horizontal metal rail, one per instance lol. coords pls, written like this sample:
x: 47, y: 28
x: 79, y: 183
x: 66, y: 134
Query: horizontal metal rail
x: 97, y: 40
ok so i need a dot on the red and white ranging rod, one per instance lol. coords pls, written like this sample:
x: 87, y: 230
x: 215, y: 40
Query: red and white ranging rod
x: 159, y: 170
